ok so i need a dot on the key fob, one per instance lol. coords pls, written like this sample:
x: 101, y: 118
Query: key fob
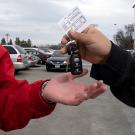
x: 75, y: 58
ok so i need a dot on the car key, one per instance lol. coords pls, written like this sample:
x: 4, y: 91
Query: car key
x: 75, y: 58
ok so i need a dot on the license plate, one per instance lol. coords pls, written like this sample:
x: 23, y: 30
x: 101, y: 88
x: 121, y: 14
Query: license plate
x: 57, y: 66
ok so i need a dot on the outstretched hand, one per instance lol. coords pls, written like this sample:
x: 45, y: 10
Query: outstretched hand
x: 63, y: 89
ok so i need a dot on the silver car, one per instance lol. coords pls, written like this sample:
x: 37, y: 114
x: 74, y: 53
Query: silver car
x: 18, y: 56
x: 32, y: 59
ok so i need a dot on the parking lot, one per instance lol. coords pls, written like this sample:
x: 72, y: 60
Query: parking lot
x: 102, y: 116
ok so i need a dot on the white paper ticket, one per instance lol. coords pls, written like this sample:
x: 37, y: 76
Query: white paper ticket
x: 75, y: 20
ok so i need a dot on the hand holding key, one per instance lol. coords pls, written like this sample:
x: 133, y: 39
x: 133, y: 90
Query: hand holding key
x: 93, y: 45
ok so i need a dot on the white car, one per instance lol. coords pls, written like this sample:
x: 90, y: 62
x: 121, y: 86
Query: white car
x: 18, y: 56
x: 32, y: 59
x: 39, y: 53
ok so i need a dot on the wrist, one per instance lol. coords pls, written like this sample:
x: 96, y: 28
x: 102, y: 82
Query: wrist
x: 46, y: 99
x: 106, y: 53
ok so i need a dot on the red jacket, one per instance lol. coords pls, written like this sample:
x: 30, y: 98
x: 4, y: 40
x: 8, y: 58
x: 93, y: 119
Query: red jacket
x: 19, y: 100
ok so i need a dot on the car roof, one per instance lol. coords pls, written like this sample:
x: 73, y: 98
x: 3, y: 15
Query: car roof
x: 31, y: 48
x: 18, y: 48
x: 9, y: 45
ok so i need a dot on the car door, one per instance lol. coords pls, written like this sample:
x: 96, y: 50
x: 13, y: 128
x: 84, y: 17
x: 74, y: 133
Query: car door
x: 13, y: 53
x: 23, y: 54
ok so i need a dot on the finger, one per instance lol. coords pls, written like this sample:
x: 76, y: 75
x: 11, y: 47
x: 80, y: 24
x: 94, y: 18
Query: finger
x: 72, y: 77
x: 90, y: 27
x: 86, y: 30
x: 99, y: 83
x: 65, y: 40
x: 63, y: 50
x: 80, y: 37
x: 91, y: 88
x: 99, y: 91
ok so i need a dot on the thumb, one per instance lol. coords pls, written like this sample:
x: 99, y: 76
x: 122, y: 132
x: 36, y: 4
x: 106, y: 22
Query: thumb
x: 80, y: 37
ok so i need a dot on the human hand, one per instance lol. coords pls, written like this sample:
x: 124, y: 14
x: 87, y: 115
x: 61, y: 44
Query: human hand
x: 93, y: 45
x: 63, y: 89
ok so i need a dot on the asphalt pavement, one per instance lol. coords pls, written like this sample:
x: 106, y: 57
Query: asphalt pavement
x: 104, y: 115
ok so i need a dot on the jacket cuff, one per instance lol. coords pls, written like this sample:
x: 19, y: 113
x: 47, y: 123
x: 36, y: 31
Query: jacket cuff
x: 41, y: 107
x: 115, y: 70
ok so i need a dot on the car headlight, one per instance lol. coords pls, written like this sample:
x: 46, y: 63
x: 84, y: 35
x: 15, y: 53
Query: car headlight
x: 65, y: 62
x: 49, y: 61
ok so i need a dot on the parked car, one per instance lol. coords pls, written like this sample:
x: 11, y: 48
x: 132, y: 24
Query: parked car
x: 132, y: 51
x: 32, y: 59
x: 58, y: 61
x: 39, y: 53
x: 18, y: 56
x: 47, y: 51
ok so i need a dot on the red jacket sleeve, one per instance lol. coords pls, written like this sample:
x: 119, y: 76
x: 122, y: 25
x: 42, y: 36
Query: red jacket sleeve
x: 19, y: 100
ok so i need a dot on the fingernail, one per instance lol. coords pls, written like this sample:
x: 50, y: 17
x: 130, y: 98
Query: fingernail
x: 72, y: 31
x: 101, y: 81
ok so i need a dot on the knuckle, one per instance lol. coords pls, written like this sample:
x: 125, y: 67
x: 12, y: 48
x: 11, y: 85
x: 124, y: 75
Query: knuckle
x: 83, y: 88
x: 76, y: 103
x: 85, y: 95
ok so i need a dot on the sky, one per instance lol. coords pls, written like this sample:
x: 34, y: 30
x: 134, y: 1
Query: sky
x: 38, y: 19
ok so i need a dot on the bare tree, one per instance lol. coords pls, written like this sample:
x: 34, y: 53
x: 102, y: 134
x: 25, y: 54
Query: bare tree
x: 124, y: 37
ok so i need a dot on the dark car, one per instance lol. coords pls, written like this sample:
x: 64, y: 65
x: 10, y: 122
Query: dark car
x: 58, y: 61
x: 39, y: 53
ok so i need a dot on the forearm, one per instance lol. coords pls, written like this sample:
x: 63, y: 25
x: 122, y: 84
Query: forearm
x: 19, y: 100
x: 116, y: 68
x: 21, y: 103
x: 118, y: 72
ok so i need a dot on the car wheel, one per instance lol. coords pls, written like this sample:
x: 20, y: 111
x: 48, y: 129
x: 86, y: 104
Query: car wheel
x: 16, y: 71
x: 40, y: 62
x: 43, y: 62
x: 48, y: 69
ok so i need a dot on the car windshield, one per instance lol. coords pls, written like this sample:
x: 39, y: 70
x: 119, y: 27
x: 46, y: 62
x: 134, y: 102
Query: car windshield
x: 46, y: 50
x: 20, y: 49
x: 42, y: 51
x: 11, y: 50
x: 32, y: 51
x: 58, y: 54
